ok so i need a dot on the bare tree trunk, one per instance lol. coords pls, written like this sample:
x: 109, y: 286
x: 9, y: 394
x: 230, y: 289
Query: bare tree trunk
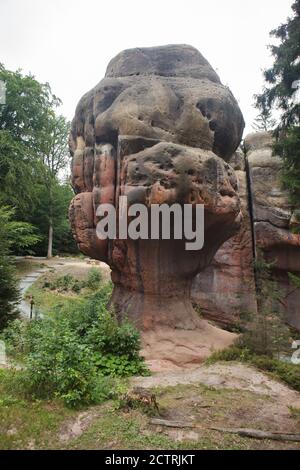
x: 50, y: 239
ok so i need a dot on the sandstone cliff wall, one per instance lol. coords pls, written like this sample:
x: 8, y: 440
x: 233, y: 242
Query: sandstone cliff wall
x: 227, y: 287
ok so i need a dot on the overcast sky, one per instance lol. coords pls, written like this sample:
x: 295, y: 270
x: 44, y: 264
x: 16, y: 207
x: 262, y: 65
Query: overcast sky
x: 70, y: 42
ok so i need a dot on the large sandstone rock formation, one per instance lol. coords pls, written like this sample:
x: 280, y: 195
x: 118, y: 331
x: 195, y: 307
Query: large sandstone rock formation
x: 273, y: 220
x: 158, y: 128
x: 226, y: 288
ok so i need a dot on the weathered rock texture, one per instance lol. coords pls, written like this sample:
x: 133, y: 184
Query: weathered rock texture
x: 272, y: 220
x: 226, y: 288
x: 158, y: 128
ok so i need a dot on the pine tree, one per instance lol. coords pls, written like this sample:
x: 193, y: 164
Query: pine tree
x: 264, y: 121
x: 281, y: 92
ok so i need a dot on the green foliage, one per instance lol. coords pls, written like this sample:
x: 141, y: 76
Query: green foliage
x: 285, y: 70
x: 282, y: 80
x: 13, y: 234
x: 288, y: 147
x: 69, y: 353
x: 94, y: 279
x: 266, y: 332
x: 264, y: 121
x: 22, y: 122
x: 233, y: 353
x: 14, y: 337
x: 59, y: 365
x: 67, y: 282
x: 287, y: 372
x: 119, y: 366
x: 60, y: 198
x: 295, y: 280
x: 9, y: 294
x: 33, y: 150
x: 17, y: 234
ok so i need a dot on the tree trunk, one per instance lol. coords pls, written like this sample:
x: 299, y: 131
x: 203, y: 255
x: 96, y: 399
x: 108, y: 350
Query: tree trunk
x: 50, y: 239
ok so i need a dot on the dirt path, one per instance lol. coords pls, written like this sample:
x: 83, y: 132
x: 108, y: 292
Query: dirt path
x: 220, y: 395
x: 61, y: 265
x: 229, y: 375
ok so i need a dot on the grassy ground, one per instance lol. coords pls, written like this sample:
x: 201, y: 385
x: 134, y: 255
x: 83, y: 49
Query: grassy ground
x: 24, y: 423
x: 45, y: 299
x: 27, y: 424
x: 41, y: 424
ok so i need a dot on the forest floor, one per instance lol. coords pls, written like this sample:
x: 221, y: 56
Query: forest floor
x: 221, y: 395
x: 216, y: 396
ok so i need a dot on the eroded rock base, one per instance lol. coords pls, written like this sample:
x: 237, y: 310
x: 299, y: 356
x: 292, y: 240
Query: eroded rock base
x: 169, y: 349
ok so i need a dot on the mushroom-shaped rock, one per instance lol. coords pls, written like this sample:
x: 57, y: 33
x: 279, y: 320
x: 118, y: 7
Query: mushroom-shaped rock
x: 159, y: 129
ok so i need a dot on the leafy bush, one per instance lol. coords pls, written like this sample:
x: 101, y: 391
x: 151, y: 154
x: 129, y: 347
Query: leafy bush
x: 94, y: 279
x: 62, y: 283
x: 233, y: 353
x: 108, y: 337
x: 59, y: 365
x: 14, y: 337
x: 67, y: 282
x: 119, y: 366
x: 70, y: 353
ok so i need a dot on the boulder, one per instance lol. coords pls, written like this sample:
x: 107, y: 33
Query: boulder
x: 159, y: 129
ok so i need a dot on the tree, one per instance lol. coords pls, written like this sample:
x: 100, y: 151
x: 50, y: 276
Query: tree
x: 33, y: 155
x: 55, y: 156
x: 61, y: 195
x: 281, y: 92
x: 23, y: 120
x: 264, y: 121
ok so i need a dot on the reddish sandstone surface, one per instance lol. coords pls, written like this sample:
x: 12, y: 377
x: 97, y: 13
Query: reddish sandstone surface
x: 226, y: 288
x: 158, y: 128
x: 274, y: 221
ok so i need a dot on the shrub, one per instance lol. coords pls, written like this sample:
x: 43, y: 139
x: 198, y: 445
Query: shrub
x: 94, y: 279
x: 108, y: 337
x: 14, y: 337
x: 233, y: 353
x: 69, y: 352
x: 119, y: 366
x: 59, y: 365
x: 76, y: 287
x: 67, y: 282
x: 287, y: 372
x: 265, y: 331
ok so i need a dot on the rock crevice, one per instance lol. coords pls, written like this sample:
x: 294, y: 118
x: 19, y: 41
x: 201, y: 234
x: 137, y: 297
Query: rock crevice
x: 226, y: 289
